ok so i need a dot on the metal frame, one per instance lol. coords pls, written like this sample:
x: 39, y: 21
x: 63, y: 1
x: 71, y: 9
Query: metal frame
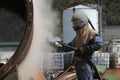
x: 22, y: 49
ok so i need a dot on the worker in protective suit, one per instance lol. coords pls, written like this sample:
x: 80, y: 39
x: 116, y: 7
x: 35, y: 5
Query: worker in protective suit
x: 86, y: 41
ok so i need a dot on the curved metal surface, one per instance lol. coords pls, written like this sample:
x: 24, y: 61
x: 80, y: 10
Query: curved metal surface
x: 69, y: 76
x: 22, y: 49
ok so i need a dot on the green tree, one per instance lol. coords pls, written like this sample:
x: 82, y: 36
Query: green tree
x: 111, y: 12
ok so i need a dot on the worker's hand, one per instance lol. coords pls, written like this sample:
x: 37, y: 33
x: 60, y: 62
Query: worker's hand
x: 76, y: 60
x: 80, y: 51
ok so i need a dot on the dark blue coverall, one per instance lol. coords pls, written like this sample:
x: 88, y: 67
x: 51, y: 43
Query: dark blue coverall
x: 83, y: 70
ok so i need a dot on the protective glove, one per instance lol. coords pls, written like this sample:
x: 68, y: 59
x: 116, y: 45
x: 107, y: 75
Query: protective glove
x: 80, y: 51
x: 76, y: 60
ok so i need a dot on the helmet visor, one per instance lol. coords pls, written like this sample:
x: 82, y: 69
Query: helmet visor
x: 76, y: 22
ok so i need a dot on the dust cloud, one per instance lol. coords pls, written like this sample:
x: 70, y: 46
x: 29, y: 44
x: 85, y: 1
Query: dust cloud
x: 45, y: 20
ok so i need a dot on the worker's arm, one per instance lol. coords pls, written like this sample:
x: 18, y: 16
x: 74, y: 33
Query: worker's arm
x: 93, y: 45
x: 96, y: 45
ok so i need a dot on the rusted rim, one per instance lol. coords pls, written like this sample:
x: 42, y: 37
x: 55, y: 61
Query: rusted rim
x: 22, y: 49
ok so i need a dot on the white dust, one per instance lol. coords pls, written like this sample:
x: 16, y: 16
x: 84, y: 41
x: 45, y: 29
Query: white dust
x: 45, y: 20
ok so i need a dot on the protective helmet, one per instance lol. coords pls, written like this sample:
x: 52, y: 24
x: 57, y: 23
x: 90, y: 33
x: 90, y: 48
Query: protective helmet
x: 82, y: 19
